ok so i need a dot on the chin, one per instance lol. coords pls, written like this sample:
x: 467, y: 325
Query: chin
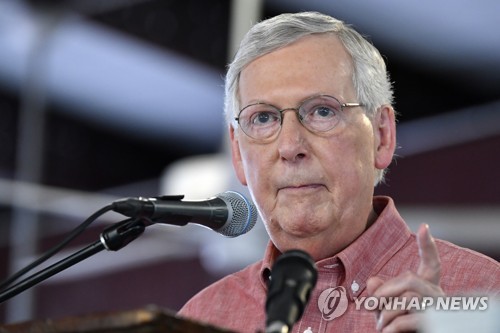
x: 318, y: 241
x: 299, y: 237
x: 305, y: 227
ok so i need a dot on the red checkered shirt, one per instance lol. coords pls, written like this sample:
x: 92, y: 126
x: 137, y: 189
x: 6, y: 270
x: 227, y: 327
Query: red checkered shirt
x: 386, y: 249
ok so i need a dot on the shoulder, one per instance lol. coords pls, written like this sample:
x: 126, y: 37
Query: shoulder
x: 465, y: 270
x: 235, y: 302
x: 240, y: 287
x: 453, y: 253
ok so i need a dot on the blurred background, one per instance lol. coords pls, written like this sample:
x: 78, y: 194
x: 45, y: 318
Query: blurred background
x: 101, y: 100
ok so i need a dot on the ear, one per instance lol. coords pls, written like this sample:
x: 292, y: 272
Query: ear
x: 236, y: 157
x: 384, y: 127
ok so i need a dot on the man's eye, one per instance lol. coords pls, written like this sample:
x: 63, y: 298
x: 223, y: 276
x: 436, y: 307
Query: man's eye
x: 263, y: 118
x: 323, y: 112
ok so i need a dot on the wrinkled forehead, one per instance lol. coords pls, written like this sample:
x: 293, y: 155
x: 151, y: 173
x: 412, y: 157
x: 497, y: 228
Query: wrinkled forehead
x: 317, y: 64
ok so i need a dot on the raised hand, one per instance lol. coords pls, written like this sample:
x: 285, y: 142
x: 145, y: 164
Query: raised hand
x: 423, y: 283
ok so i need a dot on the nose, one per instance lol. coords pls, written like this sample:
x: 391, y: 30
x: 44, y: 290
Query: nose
x: 292, y: 143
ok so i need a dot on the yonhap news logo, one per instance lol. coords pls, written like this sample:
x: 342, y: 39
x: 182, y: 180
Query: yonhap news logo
x: 442, y: 303
x: 333, y: 303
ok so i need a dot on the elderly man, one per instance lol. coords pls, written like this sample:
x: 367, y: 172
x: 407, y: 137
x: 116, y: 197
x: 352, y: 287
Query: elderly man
x: 312, y: 128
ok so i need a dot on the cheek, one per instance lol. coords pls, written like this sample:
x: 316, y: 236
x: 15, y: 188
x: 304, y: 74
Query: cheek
x: 259, y: 175
x: 352, y: 163
x: 364, y: 159
x: 254, y: 166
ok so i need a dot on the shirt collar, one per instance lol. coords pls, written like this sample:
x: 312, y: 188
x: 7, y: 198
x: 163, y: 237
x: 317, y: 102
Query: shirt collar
x: 365, y: 256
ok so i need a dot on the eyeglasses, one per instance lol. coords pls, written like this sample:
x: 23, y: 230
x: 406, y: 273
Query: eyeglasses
x: 320, y: 113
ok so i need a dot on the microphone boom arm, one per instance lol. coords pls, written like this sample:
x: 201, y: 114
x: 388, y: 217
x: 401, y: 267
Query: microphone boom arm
x: 112, y: 238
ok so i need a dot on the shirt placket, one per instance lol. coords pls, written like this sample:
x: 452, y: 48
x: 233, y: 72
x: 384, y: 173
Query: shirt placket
x: 312, y: 320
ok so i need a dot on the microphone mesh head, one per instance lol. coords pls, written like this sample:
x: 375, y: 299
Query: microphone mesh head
x: 242, y: 214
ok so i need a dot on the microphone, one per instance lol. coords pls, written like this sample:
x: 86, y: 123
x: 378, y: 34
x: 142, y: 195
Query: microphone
x: 293, y: 278
x: 228, y: 213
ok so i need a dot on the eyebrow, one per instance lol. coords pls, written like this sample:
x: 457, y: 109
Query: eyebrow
x: 257, y: 101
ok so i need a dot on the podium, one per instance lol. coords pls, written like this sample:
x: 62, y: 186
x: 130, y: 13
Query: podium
x: 147, y: 320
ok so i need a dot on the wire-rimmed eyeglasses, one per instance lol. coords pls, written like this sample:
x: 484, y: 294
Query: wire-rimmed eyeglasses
x: 319, y: 113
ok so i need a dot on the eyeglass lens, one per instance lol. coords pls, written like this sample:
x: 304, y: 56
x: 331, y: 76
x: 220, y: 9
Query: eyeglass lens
x: 318, y: 114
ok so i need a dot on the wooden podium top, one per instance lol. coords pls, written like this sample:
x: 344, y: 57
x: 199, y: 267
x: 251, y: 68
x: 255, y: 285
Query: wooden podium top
x: 148, y: 320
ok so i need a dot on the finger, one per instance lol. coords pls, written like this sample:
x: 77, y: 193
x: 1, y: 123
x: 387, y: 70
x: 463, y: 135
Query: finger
x: 385, y: 318
x: 407, y: 282
x: 430, y: 265
x: 373, y: 284
x: 408, y: 323
x: 397, y: 307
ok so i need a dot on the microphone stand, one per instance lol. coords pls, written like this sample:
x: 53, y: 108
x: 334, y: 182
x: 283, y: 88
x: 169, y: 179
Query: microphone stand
x: 112, y: 238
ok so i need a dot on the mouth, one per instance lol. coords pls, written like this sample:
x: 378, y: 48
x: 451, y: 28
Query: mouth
x: 302, y: 187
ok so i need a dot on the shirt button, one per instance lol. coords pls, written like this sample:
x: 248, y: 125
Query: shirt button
x: 308, y: 330
x: 354, y: 286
